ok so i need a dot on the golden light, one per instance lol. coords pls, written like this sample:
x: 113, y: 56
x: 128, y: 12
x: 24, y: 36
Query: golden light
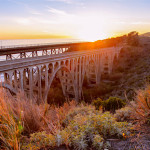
x: 90, y: 35
x: 92, y: 29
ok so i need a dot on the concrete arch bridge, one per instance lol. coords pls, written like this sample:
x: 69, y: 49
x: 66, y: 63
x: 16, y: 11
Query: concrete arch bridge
x: 34, y: 75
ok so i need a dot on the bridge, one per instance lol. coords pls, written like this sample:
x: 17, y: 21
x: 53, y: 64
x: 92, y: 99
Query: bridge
x: 32, y: 69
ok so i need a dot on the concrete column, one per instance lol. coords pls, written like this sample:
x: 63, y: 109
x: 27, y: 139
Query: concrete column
x: 76, y: 81
x: 39, y: 84
x: 15, y: 80
x: 83, y: 69
x: 46, y: 77
x: 110, y: 64
x: 80, y: 77
x: 53, y: 67
x: 21, y: 79
x: 73, y: 65
x: 30, y: 83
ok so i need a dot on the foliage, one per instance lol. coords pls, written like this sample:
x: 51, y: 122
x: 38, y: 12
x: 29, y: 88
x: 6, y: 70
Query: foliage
x: 112, y: 104
x: 91, y: 93
x: 97, y: 103
x: 76, y: 127
x: 93, y: 127
x: 82, y: 132
x: 142, y: 105
x: 39, y: 140
x: 81, y: 109
x: 133, y: 38
x: 123, y: 114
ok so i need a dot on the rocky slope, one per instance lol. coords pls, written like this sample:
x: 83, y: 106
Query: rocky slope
x: 135, y: 71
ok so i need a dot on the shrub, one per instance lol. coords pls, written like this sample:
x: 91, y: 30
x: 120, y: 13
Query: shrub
x: 123, y: 114
x: 39, y: 140
x: 97, y: 103
x: 93, y: 127
x: 81, y: 109
x: 142, y: 105
x: 112, y: 104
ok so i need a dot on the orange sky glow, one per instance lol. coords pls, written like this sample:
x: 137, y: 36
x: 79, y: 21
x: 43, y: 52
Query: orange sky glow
x: 80, y: 19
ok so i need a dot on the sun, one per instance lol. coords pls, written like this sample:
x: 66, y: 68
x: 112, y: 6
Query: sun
x: 92, y: 36
x: 92, y: 30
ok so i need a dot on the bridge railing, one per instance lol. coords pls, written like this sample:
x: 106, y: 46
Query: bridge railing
x: 36, y: 45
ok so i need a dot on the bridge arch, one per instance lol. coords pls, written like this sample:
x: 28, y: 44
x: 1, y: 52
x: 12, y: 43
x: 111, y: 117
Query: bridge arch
x: 61, y: 68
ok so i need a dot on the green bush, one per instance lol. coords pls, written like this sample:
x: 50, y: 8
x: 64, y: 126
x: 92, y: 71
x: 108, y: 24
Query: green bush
x: 94, y: 128
x: 97, y: 103
x: 86, y: 129
x: 39, y: 140
x: 82, y: 110
x: 112, y: 104
x: 123, y: 114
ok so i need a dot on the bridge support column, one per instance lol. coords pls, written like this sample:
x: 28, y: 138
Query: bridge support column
x: 21, y: 79
x: 39, y: 84
x: 30, y: 83
x: 98, y: 72
x: 80, y: 79
x: 15, y: 80
x: 110, y: 64
x: 46, y: 76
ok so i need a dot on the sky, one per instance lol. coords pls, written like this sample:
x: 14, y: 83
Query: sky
x: 77, y: 19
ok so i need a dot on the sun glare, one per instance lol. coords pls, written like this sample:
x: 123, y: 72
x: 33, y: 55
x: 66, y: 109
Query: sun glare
x: 92, y: 29
x: 92, y: 36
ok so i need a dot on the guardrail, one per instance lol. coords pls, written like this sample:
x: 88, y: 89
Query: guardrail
x: 41, y: 44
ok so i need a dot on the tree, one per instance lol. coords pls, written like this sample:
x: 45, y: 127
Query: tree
x: 133, y: 38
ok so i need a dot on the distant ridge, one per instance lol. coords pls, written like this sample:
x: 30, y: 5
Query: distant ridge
x: 146, y: 34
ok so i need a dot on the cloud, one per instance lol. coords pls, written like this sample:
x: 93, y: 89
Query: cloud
x: 33, y: 11
x: 134, y: 23
x: 76, y: 2
x: 57, y: 11
x: 23, y: 21
x: 64, y: 1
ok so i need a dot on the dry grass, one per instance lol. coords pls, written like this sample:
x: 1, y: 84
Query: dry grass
x: 10, y: 124
x: 142, y: 105
x: 19, y: 114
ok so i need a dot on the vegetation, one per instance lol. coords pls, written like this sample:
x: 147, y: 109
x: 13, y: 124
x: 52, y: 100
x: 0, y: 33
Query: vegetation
x: 83, y: 131
x: 111, y: 104
x: 92, y: 124
x: 72, y: 126
x: 141, y: 105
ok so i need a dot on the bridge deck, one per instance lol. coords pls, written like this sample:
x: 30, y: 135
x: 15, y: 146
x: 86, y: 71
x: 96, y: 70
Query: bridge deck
x: 30, y: 48
x: 27, y: 62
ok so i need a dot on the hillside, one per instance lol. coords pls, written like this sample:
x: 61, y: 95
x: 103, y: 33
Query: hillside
x: 134, y: 71
x: 146, y: 34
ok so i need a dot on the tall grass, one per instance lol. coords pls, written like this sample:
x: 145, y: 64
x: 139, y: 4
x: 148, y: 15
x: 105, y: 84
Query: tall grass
x: 142, y: 105
x: 20, y: 115
x: 10, y: 124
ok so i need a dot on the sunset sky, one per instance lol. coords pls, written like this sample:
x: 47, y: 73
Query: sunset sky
x: 77, y: 19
